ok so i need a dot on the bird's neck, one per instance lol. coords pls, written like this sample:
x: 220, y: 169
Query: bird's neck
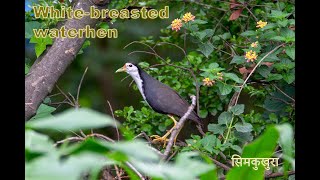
x: 139, y: 81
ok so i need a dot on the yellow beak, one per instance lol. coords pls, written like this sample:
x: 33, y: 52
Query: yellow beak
x: 123, y: 69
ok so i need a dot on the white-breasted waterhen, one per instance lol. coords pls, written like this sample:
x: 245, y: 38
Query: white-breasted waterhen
x: 160, y: 97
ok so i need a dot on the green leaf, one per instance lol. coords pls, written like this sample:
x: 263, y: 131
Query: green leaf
x: 286, y: 142
x: 278, y: 14
x: 285, y: 64
x: 289, y: 77
x: 267, y: 35
x: 224, y: 89
x: 71, y: 168
x: 41, y: 44
x: 29, y: 26
x: 243, y: 137
x: 84, y: 45
x: 233, y: 77
x: 238, y: 60
x: 43, y: 111
x: 188, y: 161
x: 104, y: 25
x: 264, y: 70
x: 249, y: 33
x: 206, y: 48
x: 274, y: 77
x: 288, y: 34
x: 243, y: 127
x: 203, y: 113
x: 237, y: 148
x: 72, y: 119
x: 278, y: 38
x: 203, y: 34
x: 209, y: 142
x: 186, y: 166
x: 213, y: 66
x: 262, y: 147
x: 26, y: 69
x: 237, y: 109
x: 269, y: 26
x: 134, y: 149
x: 216, y: 128
x: 37, y: 143
x: 273, y: 105
x: 198, y: 21
x: 224, y: 118
x: 290, y: 51
x: 283, y: 23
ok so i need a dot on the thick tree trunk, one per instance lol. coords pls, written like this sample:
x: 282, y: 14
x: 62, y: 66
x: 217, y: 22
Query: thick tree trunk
x: 44, y: 74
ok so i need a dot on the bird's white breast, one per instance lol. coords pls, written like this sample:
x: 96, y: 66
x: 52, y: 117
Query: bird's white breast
x: 138, y: 80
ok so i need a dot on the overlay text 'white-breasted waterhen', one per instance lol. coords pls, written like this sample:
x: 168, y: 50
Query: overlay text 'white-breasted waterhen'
x: 160, y: 97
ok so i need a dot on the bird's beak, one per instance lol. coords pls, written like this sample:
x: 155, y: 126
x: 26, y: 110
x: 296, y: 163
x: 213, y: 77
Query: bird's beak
x: 123, y: 69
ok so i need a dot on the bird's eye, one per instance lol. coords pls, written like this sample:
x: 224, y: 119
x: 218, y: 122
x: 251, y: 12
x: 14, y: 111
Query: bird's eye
x: 130, y: 65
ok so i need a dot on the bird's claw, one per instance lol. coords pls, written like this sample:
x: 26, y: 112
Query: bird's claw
x: 158, y: 139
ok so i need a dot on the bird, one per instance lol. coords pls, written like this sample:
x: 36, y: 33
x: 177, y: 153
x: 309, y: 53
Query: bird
x: 160, y: 97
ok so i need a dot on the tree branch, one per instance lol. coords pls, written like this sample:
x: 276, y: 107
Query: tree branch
x: 44, y: 74
x: 278, y: 174
x: 178, y: 127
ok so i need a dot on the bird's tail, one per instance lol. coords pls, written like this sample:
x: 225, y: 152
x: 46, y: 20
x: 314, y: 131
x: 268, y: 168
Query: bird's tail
x: 193, y: 116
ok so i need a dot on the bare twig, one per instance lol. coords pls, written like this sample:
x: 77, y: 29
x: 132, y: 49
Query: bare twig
x: 179, y: 126
x: 172, y: 155
x: 279, y: 99
x: 225, y: 158
x: 147, y: 52
x: 255, y: 18
x: 160, y: 43
x: 71, y: 139
x: 140, y: 43
x: 111, y: 110
x: 144, y: 135
x: 79, y: 87
x: 125, y: 78
x: 223, y: 166
x: 52, y: 95
x: 117, y: 172
x: 278, y: 174
x: 101, y: 137
x: 67, y: 97
x: 283, y: 93
x: 135, y: 170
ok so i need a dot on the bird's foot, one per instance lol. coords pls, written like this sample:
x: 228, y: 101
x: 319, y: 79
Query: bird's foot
x: 164, y: 139
x: 158, y: 139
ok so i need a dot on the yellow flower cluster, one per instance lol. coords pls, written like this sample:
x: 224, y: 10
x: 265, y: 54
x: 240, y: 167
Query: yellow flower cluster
x: 220, y: 76
x: 208, y: 82
x: 254, y: 45
x: 251, y: 56
x: 188, y: 17
x: 177, y: 23
x: 261, y: 24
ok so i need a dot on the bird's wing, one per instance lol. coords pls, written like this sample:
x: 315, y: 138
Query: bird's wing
x: 165, y: 100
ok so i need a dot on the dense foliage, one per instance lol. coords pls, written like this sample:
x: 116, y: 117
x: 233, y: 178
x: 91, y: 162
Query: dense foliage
x: 238, y: 59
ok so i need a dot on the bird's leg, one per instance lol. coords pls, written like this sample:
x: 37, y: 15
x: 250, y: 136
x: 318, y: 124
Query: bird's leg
x: 164, y: 137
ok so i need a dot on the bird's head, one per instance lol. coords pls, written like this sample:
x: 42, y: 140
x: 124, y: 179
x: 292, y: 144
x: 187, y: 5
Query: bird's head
x: 129, y: 68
